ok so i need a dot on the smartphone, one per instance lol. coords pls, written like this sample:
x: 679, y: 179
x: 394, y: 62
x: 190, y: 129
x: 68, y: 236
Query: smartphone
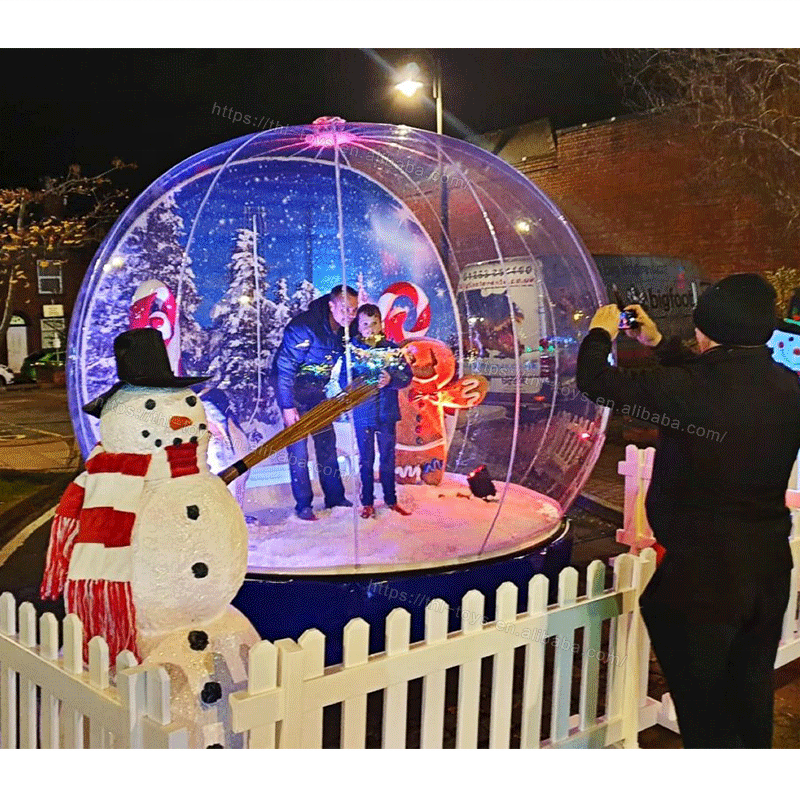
x: 627, y: 319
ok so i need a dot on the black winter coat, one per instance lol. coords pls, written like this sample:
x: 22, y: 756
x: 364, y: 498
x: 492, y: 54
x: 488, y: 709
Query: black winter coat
x: 305, y: 357
x: 729, y: 424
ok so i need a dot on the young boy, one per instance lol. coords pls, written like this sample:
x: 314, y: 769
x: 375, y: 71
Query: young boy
x: 374, y: 357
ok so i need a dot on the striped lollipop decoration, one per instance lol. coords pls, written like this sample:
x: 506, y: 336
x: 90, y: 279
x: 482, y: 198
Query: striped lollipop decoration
x: 153, y: 306
x: 395, y: 314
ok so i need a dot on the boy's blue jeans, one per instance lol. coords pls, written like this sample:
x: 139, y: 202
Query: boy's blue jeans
x: 387, y: 437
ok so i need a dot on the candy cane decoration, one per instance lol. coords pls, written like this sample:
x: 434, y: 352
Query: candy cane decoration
x: 153, y: 306
x: 394, y: 318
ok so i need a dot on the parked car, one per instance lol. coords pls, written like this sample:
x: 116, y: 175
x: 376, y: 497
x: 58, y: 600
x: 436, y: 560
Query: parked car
x: 6, y: 375
x: 49, y: 358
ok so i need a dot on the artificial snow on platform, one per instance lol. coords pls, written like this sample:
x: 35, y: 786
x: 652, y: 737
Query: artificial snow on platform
x: 447, y: 525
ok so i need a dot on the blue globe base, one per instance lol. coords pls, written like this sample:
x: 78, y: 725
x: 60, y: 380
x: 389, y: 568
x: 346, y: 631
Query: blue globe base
x: 284, y: 607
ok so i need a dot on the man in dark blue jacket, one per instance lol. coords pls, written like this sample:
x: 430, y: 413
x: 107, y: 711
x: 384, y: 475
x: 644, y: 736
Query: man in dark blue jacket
x: 311, y: 345
x: 729, y: 423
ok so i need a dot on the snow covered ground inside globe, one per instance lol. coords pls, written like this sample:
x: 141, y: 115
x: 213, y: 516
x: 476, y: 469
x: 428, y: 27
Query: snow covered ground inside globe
x: 443, y: 527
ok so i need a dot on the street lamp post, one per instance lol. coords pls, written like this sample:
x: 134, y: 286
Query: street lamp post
x: 409, y: 86
x: 437, y: 93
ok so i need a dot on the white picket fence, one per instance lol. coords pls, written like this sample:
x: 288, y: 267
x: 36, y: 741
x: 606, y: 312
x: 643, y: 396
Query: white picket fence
x: 289, y: 686
x: 48, y: 701
x: 58, y: 704
x: 637, y: 534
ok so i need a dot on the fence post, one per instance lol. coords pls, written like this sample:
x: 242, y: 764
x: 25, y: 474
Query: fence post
x: 131, y: 690
x: 48, y: 649
x: 158, y: 730
x: 637, y: 469
x: 313, y: 644
x: 634, y: 642
x: 27, y: 688
x: 395, y: 696
x: 8, y: 678
x: 72, y: 720
x: 648, y: 567
x: 290, y: 678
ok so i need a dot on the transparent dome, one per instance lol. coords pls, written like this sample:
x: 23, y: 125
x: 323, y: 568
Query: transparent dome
x: 476, y: 273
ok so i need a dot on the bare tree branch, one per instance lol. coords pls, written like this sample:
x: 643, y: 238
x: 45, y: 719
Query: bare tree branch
x: 745, y: 103
x: 29, y: 231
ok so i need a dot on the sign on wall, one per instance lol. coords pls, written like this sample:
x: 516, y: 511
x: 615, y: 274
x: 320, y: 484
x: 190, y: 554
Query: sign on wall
x: 667, y: 287
x: 53, y: 332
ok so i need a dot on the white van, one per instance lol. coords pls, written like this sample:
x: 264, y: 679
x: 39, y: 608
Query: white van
x: 489, y: 293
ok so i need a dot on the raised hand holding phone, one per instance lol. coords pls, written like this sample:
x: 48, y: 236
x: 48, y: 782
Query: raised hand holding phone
x: 646, y: 332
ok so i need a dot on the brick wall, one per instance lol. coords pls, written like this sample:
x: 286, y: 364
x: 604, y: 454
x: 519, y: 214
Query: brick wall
x: 28, y: 303
x: 638, y: 186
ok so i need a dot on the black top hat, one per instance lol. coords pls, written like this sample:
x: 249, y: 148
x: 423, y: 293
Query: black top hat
x: 142, y: 360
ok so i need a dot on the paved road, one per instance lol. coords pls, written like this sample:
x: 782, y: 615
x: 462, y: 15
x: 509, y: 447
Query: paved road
x: 36, y: 432
x: 33, y: 414
x: 35, y: 435
x: 22, y: 565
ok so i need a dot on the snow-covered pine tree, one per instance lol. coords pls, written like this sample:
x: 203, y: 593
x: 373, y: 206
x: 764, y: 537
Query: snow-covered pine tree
x: 156, y: 249
x: 235, y: 360
x: 302, y: 298
x: 152, y: 250
x: 283, y: 314
x: 109, y: 317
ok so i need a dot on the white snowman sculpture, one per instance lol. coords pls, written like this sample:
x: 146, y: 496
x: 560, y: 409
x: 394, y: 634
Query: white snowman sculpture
x: 149, y: 547
x: 785, y: 341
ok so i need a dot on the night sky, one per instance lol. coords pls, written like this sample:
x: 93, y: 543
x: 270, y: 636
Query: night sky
x: 155, y: 107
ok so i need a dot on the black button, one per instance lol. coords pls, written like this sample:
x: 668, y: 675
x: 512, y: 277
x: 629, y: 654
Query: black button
x: 215, y: 747
x: 157, y: 442
x: 193, y: 512
x: 193, y: 440
x: 198, y: 640
x: 211, y: 692
x: 177, y: 440
x: 145, y: 434
x: 200, y: 570
x: 150, y: 404
x: 191, y: 401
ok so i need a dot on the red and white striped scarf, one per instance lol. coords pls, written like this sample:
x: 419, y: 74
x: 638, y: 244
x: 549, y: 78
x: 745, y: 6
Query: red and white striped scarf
x: 89, y: 556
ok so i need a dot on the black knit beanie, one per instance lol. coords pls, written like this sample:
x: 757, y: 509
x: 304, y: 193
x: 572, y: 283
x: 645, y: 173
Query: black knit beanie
x: 739, y: 310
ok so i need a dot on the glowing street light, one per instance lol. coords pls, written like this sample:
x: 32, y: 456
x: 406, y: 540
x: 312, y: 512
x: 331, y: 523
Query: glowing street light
x: 410, y: 84
x: 409, y: 87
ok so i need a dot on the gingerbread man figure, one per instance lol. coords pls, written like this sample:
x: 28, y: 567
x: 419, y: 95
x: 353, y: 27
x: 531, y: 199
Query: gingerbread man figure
x: 421, y: 451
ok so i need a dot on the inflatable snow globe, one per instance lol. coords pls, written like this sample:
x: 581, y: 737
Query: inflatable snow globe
x: 481, y: 283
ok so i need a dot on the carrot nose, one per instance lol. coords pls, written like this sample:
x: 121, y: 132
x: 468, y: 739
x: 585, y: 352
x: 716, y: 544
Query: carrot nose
x: 179, y: 422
